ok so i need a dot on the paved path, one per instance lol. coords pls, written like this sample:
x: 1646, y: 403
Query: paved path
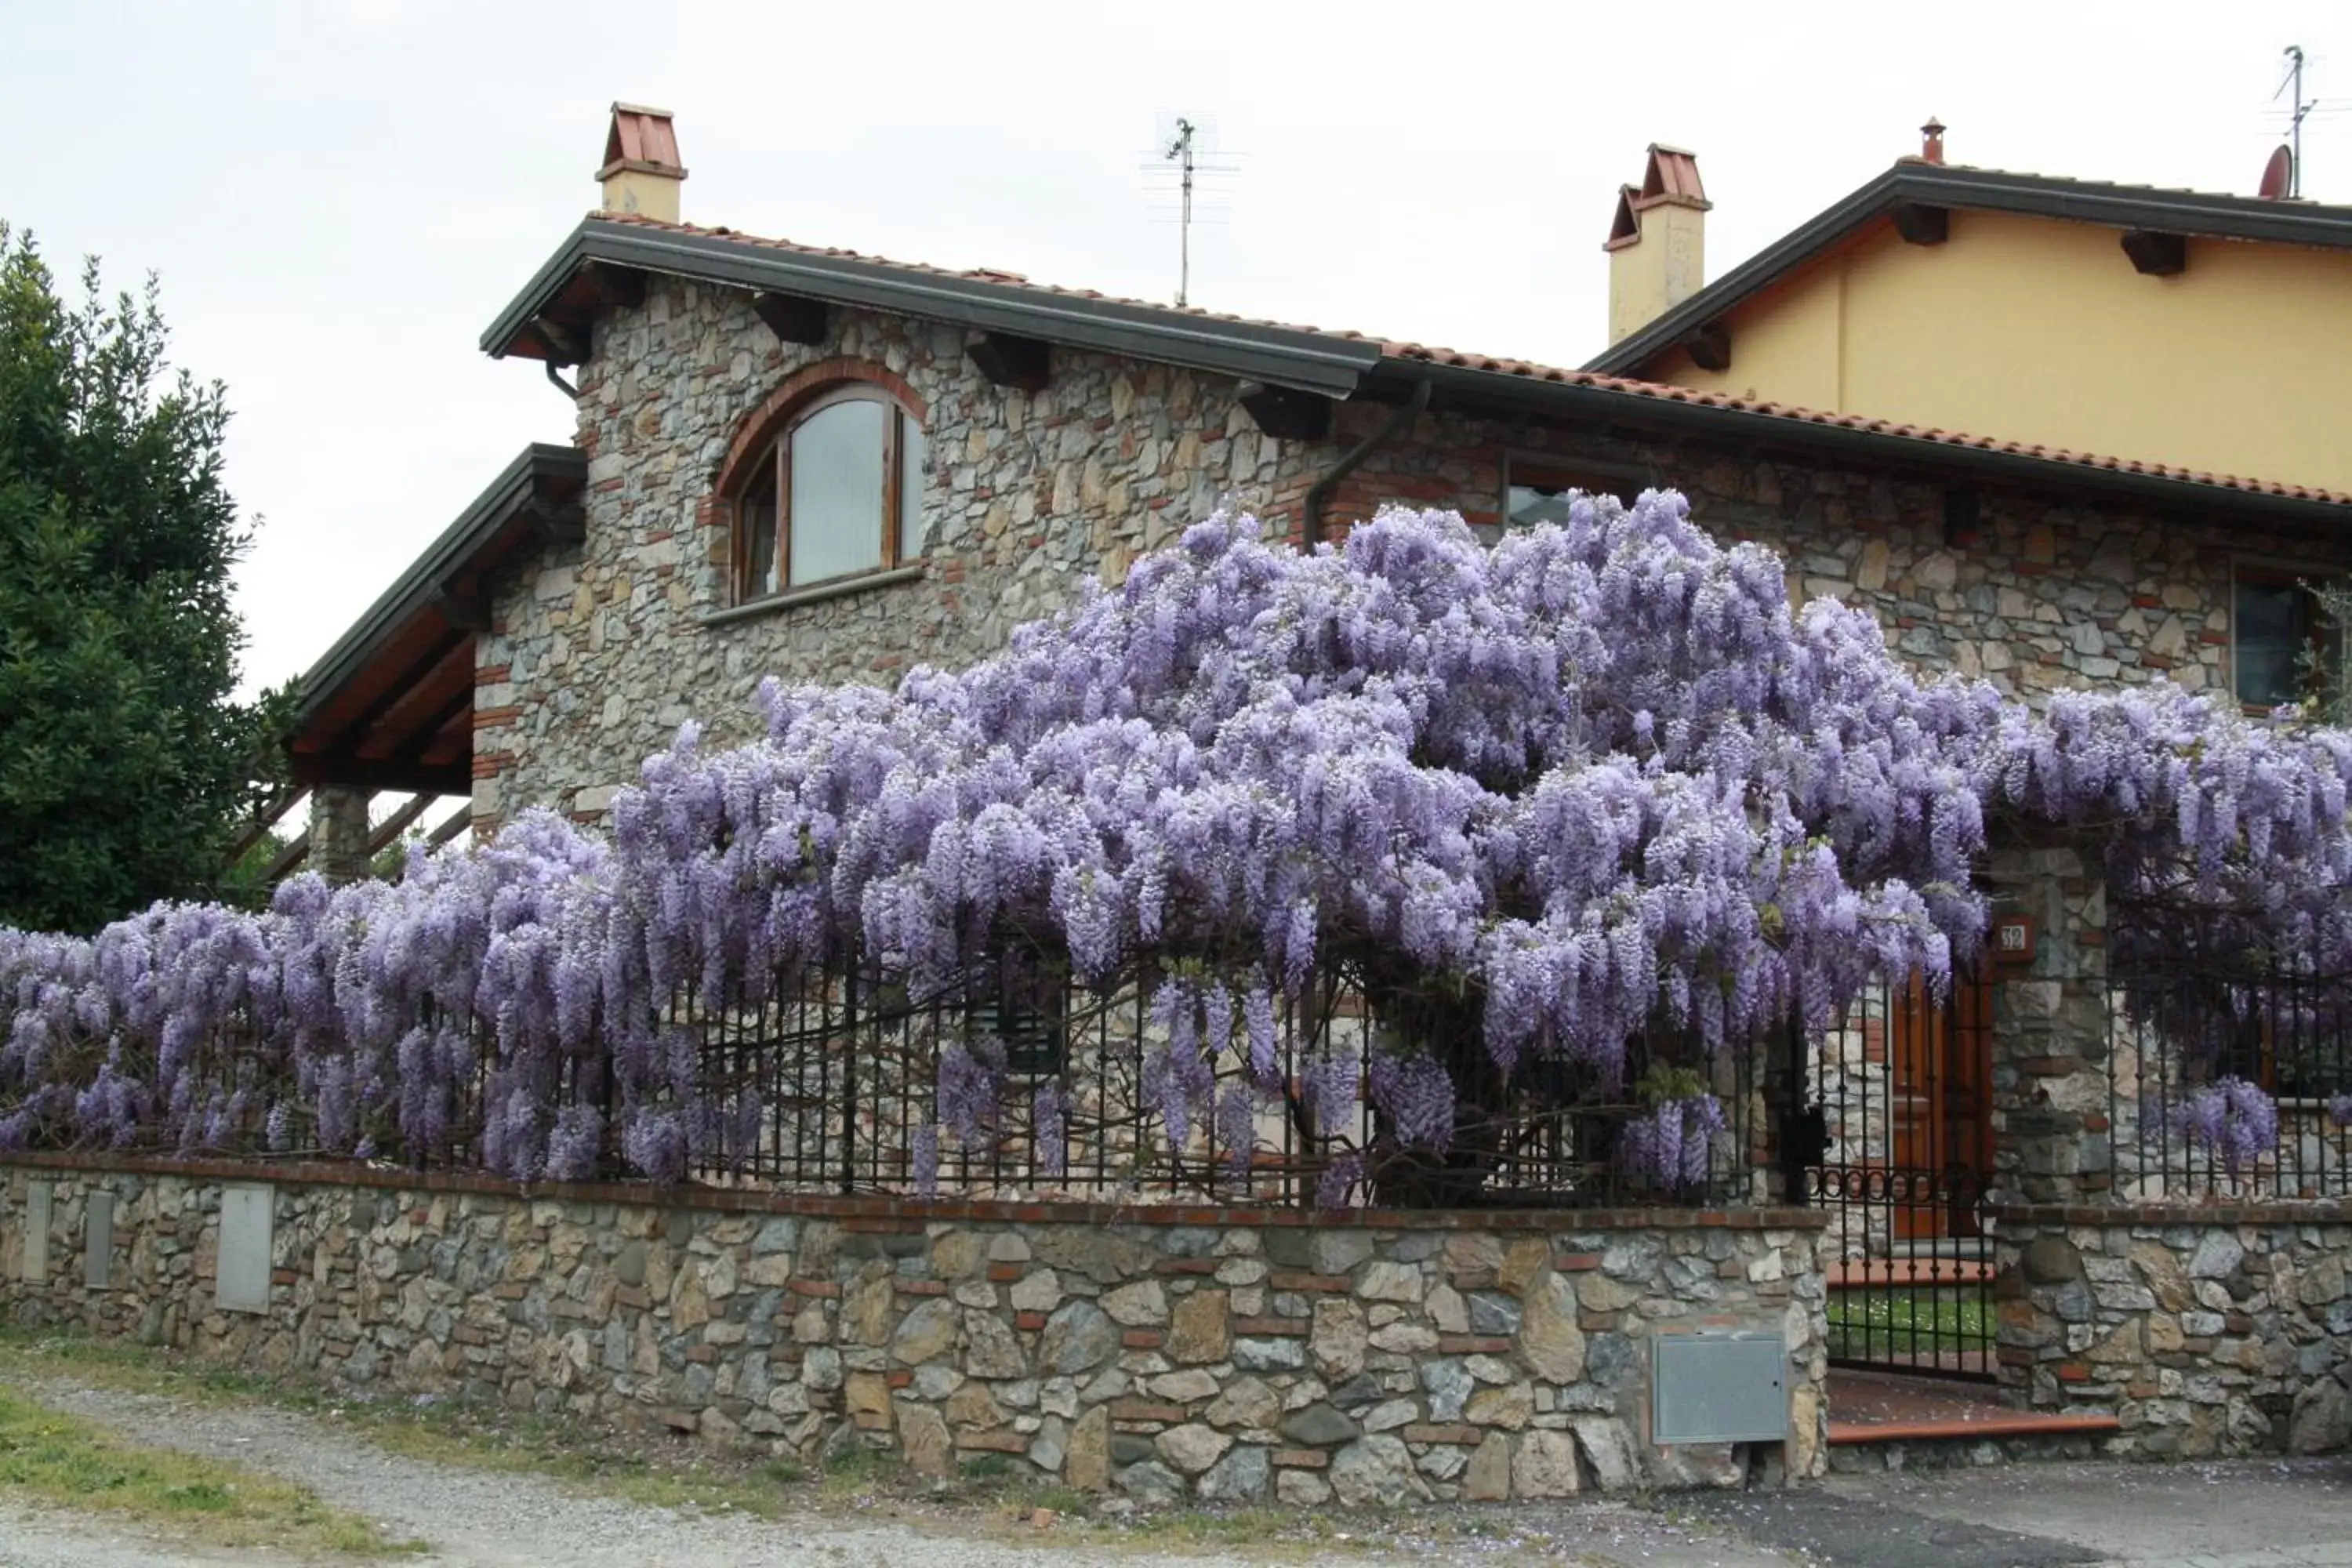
x: 2244, y: 1514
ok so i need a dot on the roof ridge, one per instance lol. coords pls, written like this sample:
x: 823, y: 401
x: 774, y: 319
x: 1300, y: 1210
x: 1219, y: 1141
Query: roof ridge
x: 1528, y: 370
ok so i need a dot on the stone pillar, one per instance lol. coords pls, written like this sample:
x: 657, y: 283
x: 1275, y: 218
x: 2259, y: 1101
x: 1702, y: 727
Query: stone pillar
x: 339, y: 832
x: 2052, y: 1139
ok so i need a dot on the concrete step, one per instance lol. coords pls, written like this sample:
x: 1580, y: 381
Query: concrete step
x: 1884, y: 1422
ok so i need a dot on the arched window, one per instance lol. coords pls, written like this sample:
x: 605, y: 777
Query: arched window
x: 838, y: 490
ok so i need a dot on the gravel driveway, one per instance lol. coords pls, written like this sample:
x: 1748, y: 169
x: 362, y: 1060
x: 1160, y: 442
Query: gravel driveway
x: 493, y: 1519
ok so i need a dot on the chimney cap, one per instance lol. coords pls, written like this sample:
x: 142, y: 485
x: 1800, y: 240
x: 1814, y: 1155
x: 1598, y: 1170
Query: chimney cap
x: 1931, y: 148
x: 1669, y: 178
x: 641, y: 138
x: 1670, y: 173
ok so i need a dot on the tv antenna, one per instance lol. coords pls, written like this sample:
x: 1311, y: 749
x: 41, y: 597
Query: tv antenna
x: 1180, y: 152
x: 2297, y: 107
x: 1183, y: 152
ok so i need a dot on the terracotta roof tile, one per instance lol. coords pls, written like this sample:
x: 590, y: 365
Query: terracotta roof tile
x: 2136, y: 187
x: 1526, y: 369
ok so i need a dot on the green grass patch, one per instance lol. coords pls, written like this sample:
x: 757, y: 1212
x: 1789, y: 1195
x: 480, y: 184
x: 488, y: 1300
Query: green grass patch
x: 989, y: 1493
x: 1877, y: 1321
x: 60, y: 1460
x: 439, y: 1431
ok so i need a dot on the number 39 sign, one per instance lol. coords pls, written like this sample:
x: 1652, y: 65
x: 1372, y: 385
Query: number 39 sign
x: 2013, y: 938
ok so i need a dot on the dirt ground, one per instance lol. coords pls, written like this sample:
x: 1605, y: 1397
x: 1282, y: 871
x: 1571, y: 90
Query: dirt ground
x: 488, y: 1519
x: 2252, y: 1515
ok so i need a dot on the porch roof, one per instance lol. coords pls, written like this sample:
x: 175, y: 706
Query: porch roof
x: 391, y: 705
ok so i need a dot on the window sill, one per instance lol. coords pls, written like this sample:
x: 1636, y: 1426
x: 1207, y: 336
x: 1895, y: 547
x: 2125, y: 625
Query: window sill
x: 814, y: 593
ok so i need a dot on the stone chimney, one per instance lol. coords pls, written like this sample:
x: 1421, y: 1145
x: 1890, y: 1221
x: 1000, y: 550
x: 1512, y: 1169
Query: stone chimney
x: 641, y: 171
x: 1657, y: 246
x: 1931, y: 140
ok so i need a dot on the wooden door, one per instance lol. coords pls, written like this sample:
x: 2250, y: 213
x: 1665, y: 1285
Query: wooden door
x: 1940, y: 1107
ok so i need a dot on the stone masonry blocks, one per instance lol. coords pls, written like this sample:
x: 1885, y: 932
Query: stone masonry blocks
x: 1118, y: 1356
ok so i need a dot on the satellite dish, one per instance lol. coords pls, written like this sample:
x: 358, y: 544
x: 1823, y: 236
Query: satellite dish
x: 2278, y: 175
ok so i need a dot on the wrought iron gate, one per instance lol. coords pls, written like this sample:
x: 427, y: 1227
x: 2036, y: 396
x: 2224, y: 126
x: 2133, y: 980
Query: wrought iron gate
x: 1891, y: 1134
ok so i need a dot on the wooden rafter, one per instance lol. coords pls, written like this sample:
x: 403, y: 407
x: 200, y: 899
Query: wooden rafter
x: 271, y: 816
x: 1710, y: 347
x: 1009, y: 361
x: 392, y: 826
x: 403, y: 687
x: 1921, y: 224
x: 792, y: 318
x: 2155, y: 254
x: 1287, y: 413
x: 282, y: 865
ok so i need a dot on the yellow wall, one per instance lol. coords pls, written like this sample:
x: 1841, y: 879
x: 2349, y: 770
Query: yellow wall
x: 2039, y: 331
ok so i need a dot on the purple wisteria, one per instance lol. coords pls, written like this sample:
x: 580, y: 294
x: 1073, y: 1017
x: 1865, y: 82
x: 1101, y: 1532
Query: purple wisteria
x: 2233, y: 1122
x: 1675, y: 1142
x: 1594, y: 780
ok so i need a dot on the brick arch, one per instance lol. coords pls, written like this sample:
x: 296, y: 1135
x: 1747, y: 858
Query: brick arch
x: 810, y: 380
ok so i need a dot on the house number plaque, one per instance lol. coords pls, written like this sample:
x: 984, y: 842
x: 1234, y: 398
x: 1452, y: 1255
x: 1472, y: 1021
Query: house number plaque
x: 2012, y: 940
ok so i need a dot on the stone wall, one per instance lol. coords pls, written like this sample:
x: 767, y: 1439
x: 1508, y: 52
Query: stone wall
x: 601, y: 651
x: 1217, y: 1354
x: 2206, y: 1329
x: 2052, y: 1035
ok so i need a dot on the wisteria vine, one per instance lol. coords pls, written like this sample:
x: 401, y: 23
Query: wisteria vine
x: 1591, y: 779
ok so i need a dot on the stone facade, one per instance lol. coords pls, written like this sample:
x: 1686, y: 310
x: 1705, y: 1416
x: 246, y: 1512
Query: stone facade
x: 601, y: 651
x: 2051, y: 1108
x: 1219, y: 1356
x: 2206, y: 1329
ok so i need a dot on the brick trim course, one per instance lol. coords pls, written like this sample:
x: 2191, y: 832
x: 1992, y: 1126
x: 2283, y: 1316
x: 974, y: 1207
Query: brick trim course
x: 914, y: 1212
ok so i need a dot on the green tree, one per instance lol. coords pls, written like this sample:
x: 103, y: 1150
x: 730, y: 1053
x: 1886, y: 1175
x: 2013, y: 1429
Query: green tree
x: 124, y: 758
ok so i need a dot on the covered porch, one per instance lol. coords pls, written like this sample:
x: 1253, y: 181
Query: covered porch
x: 383, y: 735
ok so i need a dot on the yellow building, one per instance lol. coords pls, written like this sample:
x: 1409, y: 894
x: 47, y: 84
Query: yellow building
x: 2205, y: 333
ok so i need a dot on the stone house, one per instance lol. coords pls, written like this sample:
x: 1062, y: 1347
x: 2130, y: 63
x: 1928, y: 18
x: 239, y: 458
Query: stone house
x: 823, y: 466
x: 826, y: 466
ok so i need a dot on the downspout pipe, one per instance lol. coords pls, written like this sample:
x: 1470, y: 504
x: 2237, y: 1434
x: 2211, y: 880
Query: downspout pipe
x: 1311, y: 519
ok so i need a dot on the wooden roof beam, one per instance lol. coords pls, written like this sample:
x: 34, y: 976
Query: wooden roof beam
x: 1009, y: 361
x: 793, y: 319
x: 1710, y: 347
x: 1287, y: 413
x: 1919, y: 223
x: 2155, y: 254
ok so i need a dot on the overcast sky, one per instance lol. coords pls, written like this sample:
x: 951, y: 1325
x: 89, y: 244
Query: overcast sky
x: 341, y: 196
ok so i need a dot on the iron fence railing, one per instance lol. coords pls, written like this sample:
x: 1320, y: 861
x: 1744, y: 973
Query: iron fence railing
x: 2227, y: 1075
x: 831, y: 1083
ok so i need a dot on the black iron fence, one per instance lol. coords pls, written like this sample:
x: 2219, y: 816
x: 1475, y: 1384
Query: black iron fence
x: 1891, y: 1135
x: 1016, y: 1081
x: 2229, y: 1075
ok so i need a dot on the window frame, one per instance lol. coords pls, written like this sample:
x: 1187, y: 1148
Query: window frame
x: 2262, y: 572
x: 772, y: 460
x: 1554, y: 471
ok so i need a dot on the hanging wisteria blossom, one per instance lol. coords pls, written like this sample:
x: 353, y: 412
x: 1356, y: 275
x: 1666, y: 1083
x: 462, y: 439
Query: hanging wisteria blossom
x: 1597, y: 779
x: 2233, y: 1122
